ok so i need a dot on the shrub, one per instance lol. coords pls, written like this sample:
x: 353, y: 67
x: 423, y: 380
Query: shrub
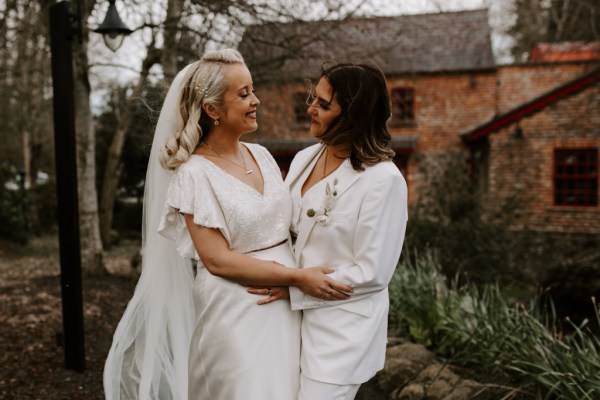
x: 472, y: 238
x: 15, y: 206
x: 476, y: 327
x: 44, y: 207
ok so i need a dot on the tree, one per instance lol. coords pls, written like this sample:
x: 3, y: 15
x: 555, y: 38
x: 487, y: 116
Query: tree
x: 553, y: 21
x: 24, y: 65
x: 186, y: 28
x: 112, y: 171
x: 91, y: 245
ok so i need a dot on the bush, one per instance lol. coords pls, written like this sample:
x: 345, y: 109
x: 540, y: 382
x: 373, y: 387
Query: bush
x: 476, y: 327
x: 44, y: 207
x: 472, y: 238
x: 15, y: 206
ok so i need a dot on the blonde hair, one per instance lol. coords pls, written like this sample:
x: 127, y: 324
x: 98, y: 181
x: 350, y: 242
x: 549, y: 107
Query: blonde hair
x: 204, y: 84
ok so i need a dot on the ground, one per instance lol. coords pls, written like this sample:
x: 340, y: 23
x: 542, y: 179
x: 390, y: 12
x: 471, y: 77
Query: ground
x: 32, y: 358
x: 31, y: 355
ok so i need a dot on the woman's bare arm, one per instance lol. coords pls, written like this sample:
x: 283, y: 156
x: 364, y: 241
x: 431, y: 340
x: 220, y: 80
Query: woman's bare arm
x: 219, y: 260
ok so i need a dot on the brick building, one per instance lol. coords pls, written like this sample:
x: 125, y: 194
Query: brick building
x: 532, y: 128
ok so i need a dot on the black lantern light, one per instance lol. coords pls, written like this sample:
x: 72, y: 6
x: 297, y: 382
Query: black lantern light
x: 113, y: 29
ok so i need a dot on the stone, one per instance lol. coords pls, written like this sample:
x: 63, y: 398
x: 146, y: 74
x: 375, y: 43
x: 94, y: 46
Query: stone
x: 465, y: 390
x: 403, y: 363
x: 413, y: 391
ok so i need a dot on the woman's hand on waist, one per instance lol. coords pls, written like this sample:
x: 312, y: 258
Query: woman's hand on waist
x: 272, y: 293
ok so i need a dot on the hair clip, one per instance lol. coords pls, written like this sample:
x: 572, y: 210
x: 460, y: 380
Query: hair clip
x: 201, y: 90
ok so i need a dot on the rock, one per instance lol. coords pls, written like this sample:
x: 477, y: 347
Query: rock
x: 413, y: 391
x: 465, y: 390
x: 435, y: 372
x: 402, y: 364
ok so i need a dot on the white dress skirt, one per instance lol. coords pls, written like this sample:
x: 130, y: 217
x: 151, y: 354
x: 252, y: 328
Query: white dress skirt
x: 240, y: 350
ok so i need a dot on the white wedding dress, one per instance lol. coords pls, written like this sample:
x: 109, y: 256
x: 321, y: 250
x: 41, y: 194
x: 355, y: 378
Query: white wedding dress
x: 239, y: 350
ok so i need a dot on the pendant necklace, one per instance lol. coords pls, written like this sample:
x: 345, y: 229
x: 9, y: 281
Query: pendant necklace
x: 246, y: 170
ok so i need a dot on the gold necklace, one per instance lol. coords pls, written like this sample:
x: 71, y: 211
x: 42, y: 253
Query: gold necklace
x: 325, y: 164
x: 246, y: 170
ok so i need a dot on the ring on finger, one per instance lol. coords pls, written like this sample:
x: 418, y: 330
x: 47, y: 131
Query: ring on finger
x: 270, y: 292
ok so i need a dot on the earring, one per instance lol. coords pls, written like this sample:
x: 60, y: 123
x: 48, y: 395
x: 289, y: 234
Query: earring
x: 216, y: 122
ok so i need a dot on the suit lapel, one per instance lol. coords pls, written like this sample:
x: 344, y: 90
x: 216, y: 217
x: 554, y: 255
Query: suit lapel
x: 291, y: 179
x: 298, y: 168
x: 346, y: 176
x: 304, y: 230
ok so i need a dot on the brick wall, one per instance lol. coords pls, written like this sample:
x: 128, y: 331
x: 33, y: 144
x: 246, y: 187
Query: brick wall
x: 520, y: 83
x: 447, y: 104
x: 276, y: 116
x: 525, y: 165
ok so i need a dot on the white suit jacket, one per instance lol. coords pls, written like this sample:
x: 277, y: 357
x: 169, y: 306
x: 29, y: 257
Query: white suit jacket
x: 343, y: 342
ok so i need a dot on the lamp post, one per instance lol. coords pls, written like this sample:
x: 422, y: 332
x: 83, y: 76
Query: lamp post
x: 64, y: 26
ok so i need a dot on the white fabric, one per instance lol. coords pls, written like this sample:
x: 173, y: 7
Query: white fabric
x: 247, y: 219
x: 149, y: 354
x: 239, y: 350
x: 242, y: 351
x: 343, y: 342
x: 315, y: 390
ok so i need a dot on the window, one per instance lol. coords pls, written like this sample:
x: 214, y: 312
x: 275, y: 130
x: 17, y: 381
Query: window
x: 576, y: 177
x: 403, y: 105
x: 300, y: 108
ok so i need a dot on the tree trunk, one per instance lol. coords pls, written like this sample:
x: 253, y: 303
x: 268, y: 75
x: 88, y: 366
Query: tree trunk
x: 171, y: 33
x: 91, y: 245
x: 112, y: 171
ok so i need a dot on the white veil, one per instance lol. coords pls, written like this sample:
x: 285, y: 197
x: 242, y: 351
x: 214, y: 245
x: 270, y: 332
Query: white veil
x: 148, y: 358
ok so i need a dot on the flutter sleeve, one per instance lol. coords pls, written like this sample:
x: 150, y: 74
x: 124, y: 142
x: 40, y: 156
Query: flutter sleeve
x: 190, y: 192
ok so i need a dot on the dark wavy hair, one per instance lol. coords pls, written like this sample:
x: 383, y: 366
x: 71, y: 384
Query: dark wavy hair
x: 361, y: 91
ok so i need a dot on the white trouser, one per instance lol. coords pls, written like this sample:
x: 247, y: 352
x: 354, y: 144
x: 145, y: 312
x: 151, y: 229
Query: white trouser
x: 315, y: 390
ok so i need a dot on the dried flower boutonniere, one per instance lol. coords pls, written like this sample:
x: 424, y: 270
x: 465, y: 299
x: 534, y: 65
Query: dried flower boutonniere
x: 322, y: 213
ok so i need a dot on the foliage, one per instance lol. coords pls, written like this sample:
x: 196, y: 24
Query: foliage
x: 44, y: 207
x: 477, y: 327
x: 15, y: 204
x: 451, y: 218
x: 138, y: 139
x: 25, y: 80
x: 553, y: 21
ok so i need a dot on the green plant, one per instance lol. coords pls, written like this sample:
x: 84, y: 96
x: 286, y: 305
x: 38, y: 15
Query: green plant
x: 472, y: 237
x: 15, y: 206
x: 416, y: 298
x: 476, y: 327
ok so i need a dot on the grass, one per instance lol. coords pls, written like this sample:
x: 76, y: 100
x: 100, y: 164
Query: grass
x: 476, y: 327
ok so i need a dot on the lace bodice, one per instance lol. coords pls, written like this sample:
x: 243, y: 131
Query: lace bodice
x: 247, y: 219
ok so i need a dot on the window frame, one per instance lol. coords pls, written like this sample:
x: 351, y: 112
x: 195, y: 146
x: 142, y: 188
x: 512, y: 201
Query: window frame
x: 577, y: 180
x: 299, y: 108
x: 406, y: 105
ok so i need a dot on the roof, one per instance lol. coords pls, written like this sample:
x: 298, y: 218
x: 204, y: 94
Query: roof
x: 565, y: 51
x: 453, y: 41
x: 531, y: 107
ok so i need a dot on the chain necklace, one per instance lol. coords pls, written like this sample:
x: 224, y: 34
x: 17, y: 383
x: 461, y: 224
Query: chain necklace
x: 246, y: 170
x: 325, y: 174
x: 325, y: 164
